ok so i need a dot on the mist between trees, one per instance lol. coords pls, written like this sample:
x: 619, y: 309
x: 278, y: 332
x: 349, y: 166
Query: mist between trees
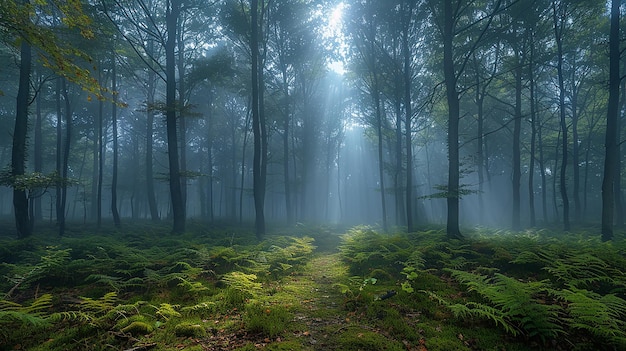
x: 396, y: 113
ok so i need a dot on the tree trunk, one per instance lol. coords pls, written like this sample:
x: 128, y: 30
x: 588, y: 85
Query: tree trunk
x: 66, y: 154
x: 257, y: 125
x: 23, y: 221
x: 558, y: 33
x: 59, y: 148
x: 575, y: 145
x: 408, y: 115
x: 610, y: 141
x: 182, y: 119
x: 533, y: 133
x: 38, y: 157
x: 379, y: 134
x: 114, y: 210
x: 517, y: 130
x: 152, y: 204
x: 286, y: 123
x: 542, y: 172
x: 178, y: 206
x: 621, y: 146
x: 101, y: 154
x: 452, y: 96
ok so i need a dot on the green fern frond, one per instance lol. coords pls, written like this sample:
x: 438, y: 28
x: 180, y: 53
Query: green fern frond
x: 478, y: 310
x: 603, y: 316
x: 34, y: 314
x: 242, y: 282
x: 104, y: 279
x: 71, y: 316
x: 100, y: 306
x: 167, y: 311
x: 520, y: 302
x: 9, y: 317
x: 201, y: 309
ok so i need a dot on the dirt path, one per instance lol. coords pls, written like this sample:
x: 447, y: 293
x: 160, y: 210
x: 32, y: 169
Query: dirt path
x: 323, y: 312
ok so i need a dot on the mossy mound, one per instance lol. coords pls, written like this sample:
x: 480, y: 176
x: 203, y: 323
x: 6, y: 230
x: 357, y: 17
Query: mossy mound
x: 190, y: 330
x: 138, y: 328
x: 357, y: 339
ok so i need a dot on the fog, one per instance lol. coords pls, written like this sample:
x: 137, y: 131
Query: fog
x: 344, y: 88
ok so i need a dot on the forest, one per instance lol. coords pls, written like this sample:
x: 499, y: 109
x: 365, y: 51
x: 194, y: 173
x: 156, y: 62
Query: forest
x: 312, y: 175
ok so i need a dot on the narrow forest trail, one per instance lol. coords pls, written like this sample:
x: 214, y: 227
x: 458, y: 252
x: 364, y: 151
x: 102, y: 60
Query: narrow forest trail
x: 321, y: 301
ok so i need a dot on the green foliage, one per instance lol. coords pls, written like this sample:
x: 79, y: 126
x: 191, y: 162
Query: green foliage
x: 602, y: 316
x: 35, y: 314
x: 268, y: 320
x: 515, y: 303
x: 242, y: 282
x: 190, y: 330
x: 355, y: 339
x: 51, y: 262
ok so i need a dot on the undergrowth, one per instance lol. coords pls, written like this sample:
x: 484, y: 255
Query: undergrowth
x: 142, y: 288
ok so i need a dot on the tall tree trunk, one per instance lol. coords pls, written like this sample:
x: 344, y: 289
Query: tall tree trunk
x: 517, y: 130
x: 480, y: 143
x: 610, y: 141
x: 257, y: 124
x: 408, y: 115
x: 621, y: 146
x: 182, y: 119
x: 243, y: 165
x: 533, y: 133
x: 59, y: 149
x: 452, y: 96
x: 66, y: 154
x: 114, y: 210
x: 558, y: 35
x: 23, y: 221
x: 542, y: 172
x: 100, y: 160
x: 379, y: 134
x: 285, y: 138
x: 575, y: 145
x: 95, y: 152
x: 152, y: 204
x: 178, y: 206
x: 38, y: 156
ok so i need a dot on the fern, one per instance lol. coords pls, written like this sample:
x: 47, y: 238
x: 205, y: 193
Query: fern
x: 200, y: 309
x: 101, y: 306
x: 167, y: 311
x: 602, y: 316
x: 519, y: 302
x: 34, y: 314
x: 52, y: 260
x: 242, y: 282
x: 113, y: 282
x: 580, y: 270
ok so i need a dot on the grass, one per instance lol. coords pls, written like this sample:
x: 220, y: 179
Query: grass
x: 217, y: 288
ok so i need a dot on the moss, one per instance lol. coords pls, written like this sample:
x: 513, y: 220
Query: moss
x: 190, y: 330
x: 357, y: 339
x: 138, y: 328
x: 269, y: 320
x: 284, y: 346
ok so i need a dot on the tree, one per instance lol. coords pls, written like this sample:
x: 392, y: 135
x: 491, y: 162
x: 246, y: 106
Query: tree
x: 454, y: 63
x: 23, y: 221
x: 610, y: 141
x: 55, y: 54
x: 114, y: 209
x: 257, y: 124
x: 178, y: 206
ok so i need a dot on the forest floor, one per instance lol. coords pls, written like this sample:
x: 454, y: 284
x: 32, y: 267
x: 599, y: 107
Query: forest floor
x: 311, y: 288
